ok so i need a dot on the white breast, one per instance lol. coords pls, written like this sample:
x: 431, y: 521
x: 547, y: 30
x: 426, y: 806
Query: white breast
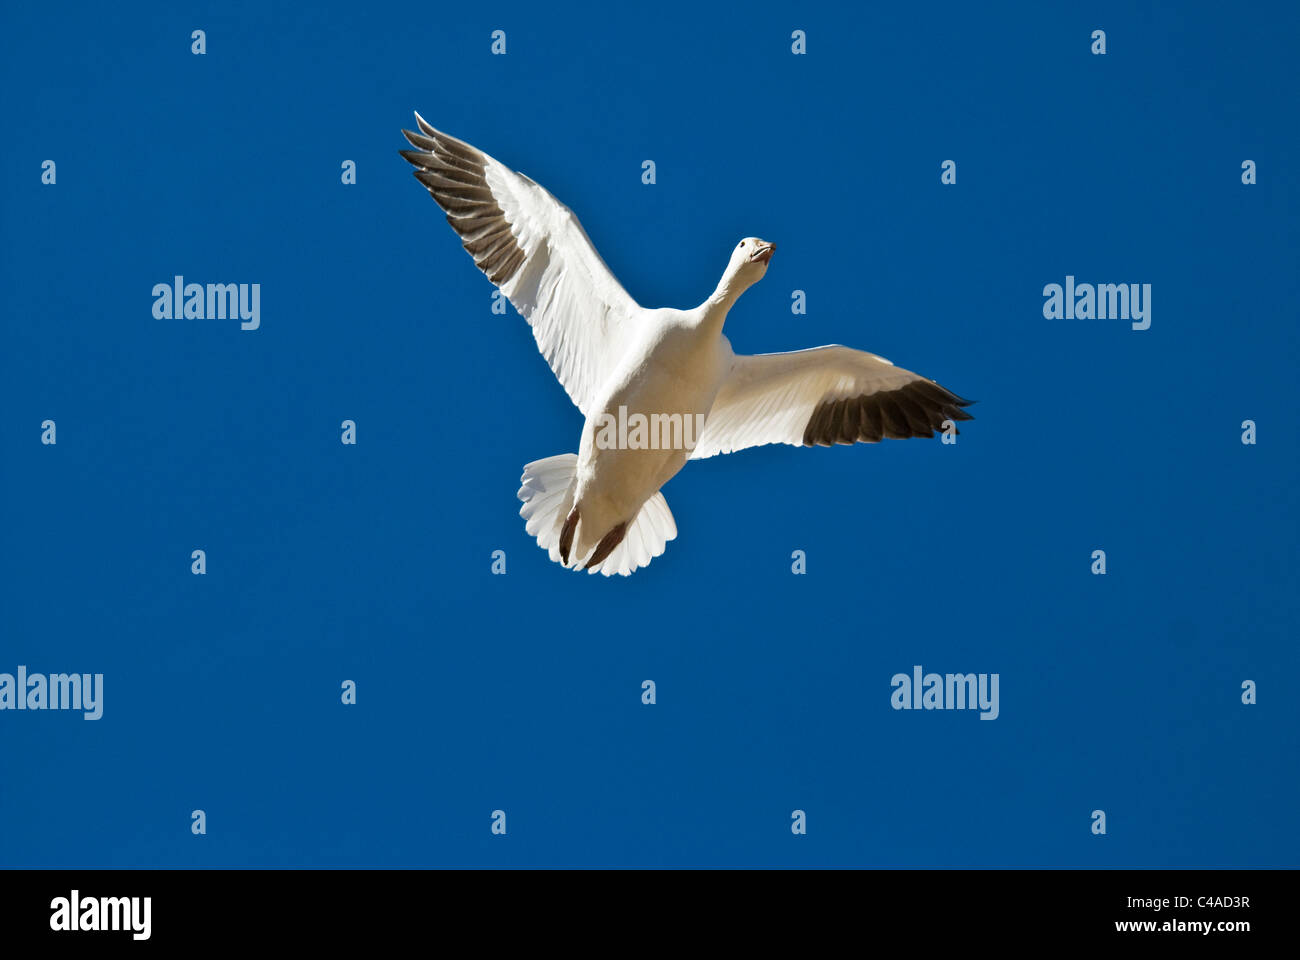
x: 667, y: 383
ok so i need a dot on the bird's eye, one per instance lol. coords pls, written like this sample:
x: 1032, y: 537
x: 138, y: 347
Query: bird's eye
x: 742, y: 243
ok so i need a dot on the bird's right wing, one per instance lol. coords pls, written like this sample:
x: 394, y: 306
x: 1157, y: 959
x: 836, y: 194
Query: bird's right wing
x: 820, y: 397
x: 534, y: 249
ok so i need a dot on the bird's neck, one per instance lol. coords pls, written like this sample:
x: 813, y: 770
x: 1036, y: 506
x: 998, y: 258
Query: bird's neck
x: 721, y: 300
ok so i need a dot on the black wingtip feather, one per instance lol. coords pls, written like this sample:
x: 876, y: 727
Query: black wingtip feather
x: 916, y: 409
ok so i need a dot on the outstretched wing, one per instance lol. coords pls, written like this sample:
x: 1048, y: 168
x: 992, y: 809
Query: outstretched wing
x: 820, y: 397
x: 534, y: 249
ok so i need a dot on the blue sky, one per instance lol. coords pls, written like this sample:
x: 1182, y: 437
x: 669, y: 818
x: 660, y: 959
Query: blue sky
x: 521, y: 692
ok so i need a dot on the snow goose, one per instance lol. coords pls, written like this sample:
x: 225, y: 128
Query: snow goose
x: 657, y: 387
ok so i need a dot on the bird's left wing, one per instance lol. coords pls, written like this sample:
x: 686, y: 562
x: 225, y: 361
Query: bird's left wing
x: 820, y: 397
x: 534, y: 249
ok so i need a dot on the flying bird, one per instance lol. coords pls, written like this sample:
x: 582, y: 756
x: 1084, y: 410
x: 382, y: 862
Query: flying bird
x: 601, y: 509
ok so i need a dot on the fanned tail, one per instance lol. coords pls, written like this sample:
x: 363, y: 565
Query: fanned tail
x: 547, y: 495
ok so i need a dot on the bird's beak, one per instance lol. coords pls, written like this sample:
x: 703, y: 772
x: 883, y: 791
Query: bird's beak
x: 762, y: 253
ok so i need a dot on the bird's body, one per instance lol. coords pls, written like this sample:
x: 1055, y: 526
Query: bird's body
x: 672, y: 373
x: 657, y: 387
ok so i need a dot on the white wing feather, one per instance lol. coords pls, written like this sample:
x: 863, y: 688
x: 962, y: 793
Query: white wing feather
x: 535, y: 250
x: 822, y: 396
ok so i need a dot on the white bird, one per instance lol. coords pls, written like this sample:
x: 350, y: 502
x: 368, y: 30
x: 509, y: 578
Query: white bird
x: 602, y: 510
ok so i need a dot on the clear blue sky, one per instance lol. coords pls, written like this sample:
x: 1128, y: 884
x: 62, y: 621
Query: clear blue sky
x: 521, y: 692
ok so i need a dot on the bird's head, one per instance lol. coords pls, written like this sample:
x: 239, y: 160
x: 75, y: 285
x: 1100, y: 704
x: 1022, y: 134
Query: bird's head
x: 746, y: 267
x: 749, y: 260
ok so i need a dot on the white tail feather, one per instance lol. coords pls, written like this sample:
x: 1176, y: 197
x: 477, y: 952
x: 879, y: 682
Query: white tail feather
x: 547, y: 493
